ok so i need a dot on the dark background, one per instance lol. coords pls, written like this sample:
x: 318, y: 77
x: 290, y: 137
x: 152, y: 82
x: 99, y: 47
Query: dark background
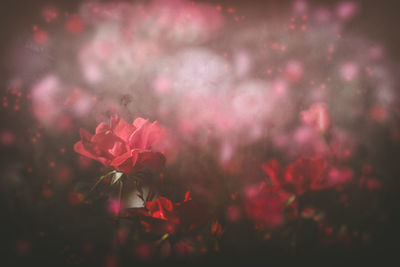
x: 56, y: 231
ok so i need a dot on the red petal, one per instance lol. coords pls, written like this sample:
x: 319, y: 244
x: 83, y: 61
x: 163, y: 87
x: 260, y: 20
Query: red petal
x: 85, y: 135
x: 80, y: 148
x: 216, y: 229
x: 306, y: 174
x: 154, y: 160
x: 121, y: 128
x: 139, y: 122
x: 118, y: 149
x: 160, y: 203
x: 187, y: 196
x: 125, y: 162
x: 272, y: 169
x: 166, y: 203
x: 102, y: 128
x: 145, y: 135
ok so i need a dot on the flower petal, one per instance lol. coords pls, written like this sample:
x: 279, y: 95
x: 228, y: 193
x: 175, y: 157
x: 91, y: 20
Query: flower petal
x: 154, y: 160
x: 272, y: 169
x: 80, y: 148
x: 125, y: 162
x: 121, y: 128
x: 102, y: 128
x: 144, y: 136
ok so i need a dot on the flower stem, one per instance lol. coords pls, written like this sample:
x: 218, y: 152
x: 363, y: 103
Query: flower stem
x: 117, y: 221
x: 121, y: 184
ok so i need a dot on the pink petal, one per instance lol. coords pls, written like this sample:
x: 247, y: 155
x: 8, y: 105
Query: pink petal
x: 121, y: 128
x: 102, y: 128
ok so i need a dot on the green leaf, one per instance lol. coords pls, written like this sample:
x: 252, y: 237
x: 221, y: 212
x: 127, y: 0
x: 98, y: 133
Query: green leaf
x: 101, y: 179
x: 164, y: 237
x: 290, y: 200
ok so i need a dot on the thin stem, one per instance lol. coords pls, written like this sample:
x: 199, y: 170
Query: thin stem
x: 121, y: 184
x: 101, y: 179
x: 150, y: 194
x: 117, y: 220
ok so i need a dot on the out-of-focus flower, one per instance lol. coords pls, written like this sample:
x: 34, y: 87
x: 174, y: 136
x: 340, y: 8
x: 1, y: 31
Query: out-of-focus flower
x: 367, y: 180
x: 145, y: 250
x: 267, y: 206
x: 161, y: 216
x: 378, y: 113
x: 273, y: 169
x: 372, y: 184
x: 316, y: 116
x: 305, y: 141
x: 294, y: 71
x: 184, y: 247
x: 338, y: 176
x: 346, y: 10
x: 216, y: 229
x: 270, y: 204
x: 233, y: 213
x: 126, y: 147
x: 306, y: 174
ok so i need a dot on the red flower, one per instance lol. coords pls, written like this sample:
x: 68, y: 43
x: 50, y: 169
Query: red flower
x: 162, y: 216
x: 273, y: 169
x: 316, y: 116
x: 339, y: 176
x: 121, y: 145
x: 160, y: 208
x: 270, y: 207
x: 305, y: 174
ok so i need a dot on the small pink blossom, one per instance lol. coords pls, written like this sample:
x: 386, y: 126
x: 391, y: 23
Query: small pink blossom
x: 316, y: 116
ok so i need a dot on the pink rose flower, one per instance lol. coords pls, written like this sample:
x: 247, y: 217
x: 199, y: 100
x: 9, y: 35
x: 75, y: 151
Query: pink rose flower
x: 124, y: 146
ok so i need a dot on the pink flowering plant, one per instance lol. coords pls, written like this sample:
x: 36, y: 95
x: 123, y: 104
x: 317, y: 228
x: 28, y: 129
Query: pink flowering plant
x: 282, y: 198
